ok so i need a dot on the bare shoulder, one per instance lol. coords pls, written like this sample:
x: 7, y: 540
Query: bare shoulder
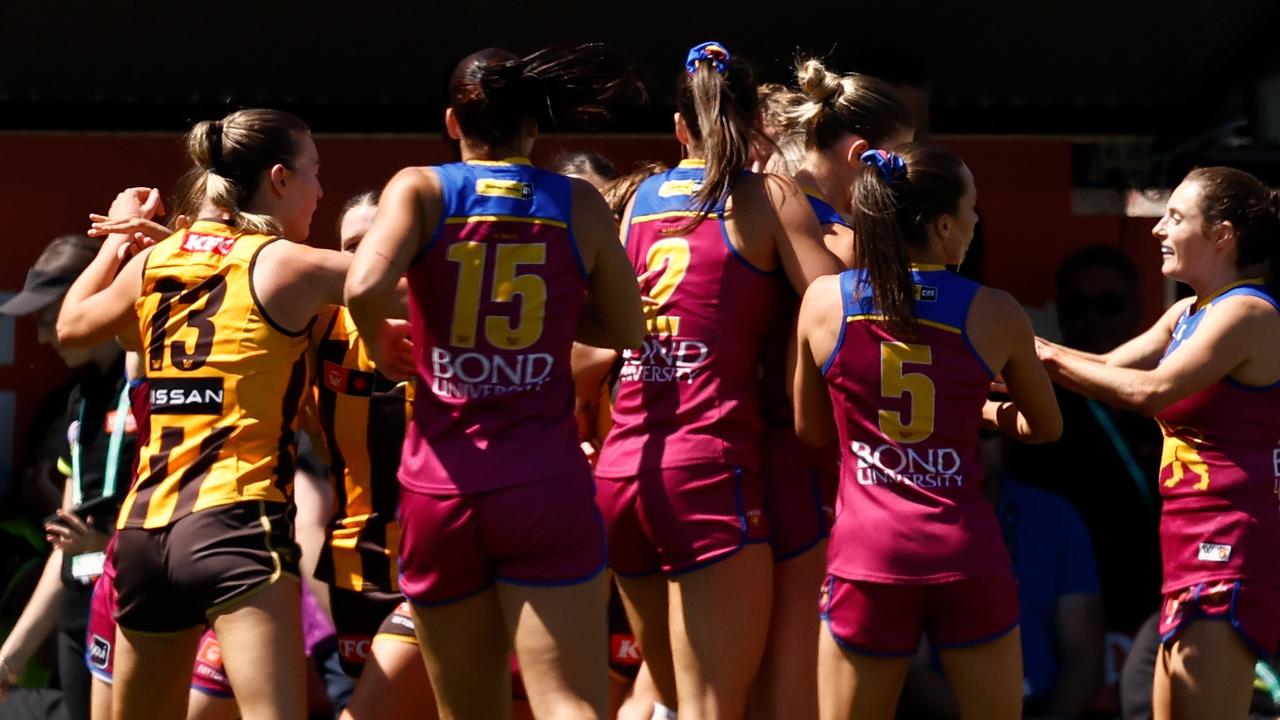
x: 822, y: 299
x: 998, y: 310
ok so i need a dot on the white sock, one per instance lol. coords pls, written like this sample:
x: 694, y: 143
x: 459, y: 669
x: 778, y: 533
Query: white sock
x: 662, y: 712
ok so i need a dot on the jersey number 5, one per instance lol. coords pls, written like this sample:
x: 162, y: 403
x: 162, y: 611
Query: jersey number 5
x: 173, y: 292
x: 506, y: 284
x: 894, y: 383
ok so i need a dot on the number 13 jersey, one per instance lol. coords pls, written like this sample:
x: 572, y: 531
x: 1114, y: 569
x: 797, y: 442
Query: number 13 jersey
x: 690, y: 394
x: 224, y: 382
x: 494, y: 301
x: 908, y: 408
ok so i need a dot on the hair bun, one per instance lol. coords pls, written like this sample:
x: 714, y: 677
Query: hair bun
x: 816, y: 81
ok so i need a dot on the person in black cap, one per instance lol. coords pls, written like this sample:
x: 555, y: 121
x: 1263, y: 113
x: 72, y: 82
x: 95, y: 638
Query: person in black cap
x: 94, y: 453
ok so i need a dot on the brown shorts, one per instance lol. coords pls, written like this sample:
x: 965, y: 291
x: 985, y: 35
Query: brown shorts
x: 177, y: 577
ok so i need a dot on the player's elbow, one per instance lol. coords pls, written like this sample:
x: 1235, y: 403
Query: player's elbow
x: 813, y: 434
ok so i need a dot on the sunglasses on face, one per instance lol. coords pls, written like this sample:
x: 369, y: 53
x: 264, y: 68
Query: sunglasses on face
x: 1107, y: 304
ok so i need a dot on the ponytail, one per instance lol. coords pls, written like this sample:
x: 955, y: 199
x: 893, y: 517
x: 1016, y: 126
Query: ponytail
x: 839, y: 105
x: 717, y: 97
x: 492, y: 91
x: 896, y: 196
x: 234, y: 154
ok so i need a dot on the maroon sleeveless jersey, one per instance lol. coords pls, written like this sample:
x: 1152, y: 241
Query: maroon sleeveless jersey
x: 494, y: 300
x: 1220, y: 473
x: 690, y: 394
x: 910, y: 508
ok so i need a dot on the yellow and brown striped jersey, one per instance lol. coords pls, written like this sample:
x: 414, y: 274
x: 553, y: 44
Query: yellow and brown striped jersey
x: 363, y: 416
x: 224, y: 382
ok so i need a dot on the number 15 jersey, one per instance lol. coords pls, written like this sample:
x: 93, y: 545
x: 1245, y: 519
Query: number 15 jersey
x: 690, y: 394
x: 494, y: 301
x: 224, y: 382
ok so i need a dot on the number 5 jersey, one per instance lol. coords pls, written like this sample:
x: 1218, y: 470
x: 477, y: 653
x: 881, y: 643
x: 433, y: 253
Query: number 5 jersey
x: 224, y: 381
x: 908, y: 406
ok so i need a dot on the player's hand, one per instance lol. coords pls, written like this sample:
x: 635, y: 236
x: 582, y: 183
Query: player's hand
x: 137, y: 202
x: 75, y: 536
x: 393, y: 351
x: 9, y: 677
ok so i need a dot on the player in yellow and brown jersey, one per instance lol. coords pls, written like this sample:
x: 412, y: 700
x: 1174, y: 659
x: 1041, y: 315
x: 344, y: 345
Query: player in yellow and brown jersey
x: 222, y: 309
x: 362, y: 418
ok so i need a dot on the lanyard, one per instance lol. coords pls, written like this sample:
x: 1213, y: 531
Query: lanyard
x: 113, y: 451
x: 1122, y: 449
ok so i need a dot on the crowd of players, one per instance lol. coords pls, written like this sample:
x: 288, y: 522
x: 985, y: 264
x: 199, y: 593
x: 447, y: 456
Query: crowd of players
x: 743, y: 443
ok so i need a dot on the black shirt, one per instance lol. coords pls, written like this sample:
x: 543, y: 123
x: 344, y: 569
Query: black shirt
x: 92, y: 414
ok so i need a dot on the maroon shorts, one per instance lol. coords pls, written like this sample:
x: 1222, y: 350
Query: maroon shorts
x: 1253, y: 610
x: 207, y: 674
x: 546, y: 532
x: 886, y: 620
x: 681, y: 519
x: 799, y: 492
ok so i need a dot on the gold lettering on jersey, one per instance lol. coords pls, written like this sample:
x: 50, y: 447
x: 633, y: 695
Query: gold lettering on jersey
x: 513, y: 189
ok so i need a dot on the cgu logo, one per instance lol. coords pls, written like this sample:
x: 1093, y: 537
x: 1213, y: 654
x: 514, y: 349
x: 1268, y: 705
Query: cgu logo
x: 354, y: 648
x: 216, y: 244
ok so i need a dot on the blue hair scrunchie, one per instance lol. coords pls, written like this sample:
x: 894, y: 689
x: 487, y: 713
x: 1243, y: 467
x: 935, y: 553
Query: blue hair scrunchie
x: 891, y: 165
x: 712, y: 52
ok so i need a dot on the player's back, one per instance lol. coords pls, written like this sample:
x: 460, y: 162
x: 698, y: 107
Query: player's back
x: 690, y: 394
x: 908, y: 406
x: 224, y: 382
x: 495, y: 297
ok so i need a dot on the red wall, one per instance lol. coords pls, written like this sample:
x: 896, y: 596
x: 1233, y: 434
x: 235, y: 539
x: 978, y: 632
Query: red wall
x: 49, y: 183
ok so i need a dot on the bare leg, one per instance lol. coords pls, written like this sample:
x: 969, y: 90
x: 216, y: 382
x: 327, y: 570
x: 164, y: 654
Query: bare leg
x: 787, y: 685
x: 1206, y: 671
x: 262, y: 652
x: 718, y: 632
x: 647, y: 602
x: 152, y: 674
x: 561, y: 639
x: 639, y: 704
x: 857, y: 687
x: 465, y: 646
x: 393, y: 680
x: 99, y: 699
x: 987, y: 678
x: 203, y: 706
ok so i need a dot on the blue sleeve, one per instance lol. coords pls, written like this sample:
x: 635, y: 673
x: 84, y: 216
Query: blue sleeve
x: 1079, y: 567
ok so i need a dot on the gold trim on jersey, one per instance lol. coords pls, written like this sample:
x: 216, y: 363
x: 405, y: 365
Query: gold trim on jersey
x: 463, y: 220
x: 881, y: 318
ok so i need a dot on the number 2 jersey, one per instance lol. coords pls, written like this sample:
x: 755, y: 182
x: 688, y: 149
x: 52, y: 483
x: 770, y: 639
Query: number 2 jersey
x: 910, y: 508
x: 224, y: 383
x: 690, y: 395
x: 494, y: 301
x: 1220, y: 472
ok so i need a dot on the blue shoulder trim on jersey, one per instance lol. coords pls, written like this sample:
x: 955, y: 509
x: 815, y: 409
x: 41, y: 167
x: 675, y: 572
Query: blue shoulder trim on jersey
x: 846, y: 310
x: 827, y: 215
